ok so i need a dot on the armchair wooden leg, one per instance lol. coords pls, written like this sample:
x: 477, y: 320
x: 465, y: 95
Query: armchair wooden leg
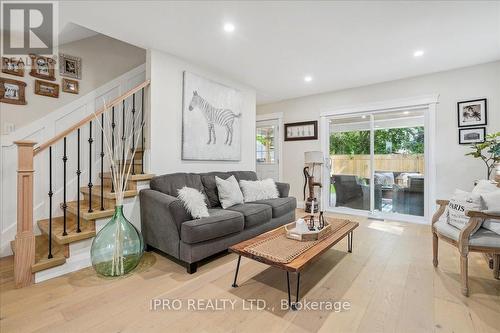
x: 496, y: 266
x: 435, y: 241
x: 464, y: 274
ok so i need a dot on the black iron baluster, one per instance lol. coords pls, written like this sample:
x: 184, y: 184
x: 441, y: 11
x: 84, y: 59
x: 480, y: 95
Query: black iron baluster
x: 50, y: 202
x: 142, y: 132
x: 102, y: 162
x: 90, y: 167
x: 133, y: 133
x: 113, y: 124
x: 64, y: 205
x: 78, y: 172
x: 123, y: 139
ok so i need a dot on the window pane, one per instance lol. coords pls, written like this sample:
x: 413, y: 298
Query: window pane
x: 265, y: 144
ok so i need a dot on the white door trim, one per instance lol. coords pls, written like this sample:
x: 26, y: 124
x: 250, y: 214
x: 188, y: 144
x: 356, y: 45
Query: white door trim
x: 428, y: 102
x: 275, y: 116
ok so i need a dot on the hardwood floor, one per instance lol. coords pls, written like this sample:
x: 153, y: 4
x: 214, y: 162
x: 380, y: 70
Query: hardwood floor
x: 389, y: 281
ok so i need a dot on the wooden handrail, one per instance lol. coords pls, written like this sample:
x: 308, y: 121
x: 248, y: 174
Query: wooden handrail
x: 90, y: 117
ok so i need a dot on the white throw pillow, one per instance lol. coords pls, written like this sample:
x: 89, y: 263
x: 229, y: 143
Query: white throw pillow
x: 492, y: 224
x: 461, y: 202
x: 492, y: 200
x: 484, y: 186
x: 194, y: 202
x: 229, y: 192
x: 259, y: 190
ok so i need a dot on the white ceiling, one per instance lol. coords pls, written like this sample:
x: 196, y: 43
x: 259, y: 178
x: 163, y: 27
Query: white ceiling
x: 275, y: 44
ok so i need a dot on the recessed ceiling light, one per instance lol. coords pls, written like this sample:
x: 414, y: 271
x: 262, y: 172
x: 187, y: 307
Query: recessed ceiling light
x: 418, y: 53
x: 406, y: 112
x: 229, y: 27
x: 308, y: 78
x: 364, y: 117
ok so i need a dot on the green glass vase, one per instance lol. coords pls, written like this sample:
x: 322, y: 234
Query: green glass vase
x: 118, y: 247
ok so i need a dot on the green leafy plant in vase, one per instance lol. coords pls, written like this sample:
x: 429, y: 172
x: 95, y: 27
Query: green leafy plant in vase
x: 488, y: 151
x: 118, y: 247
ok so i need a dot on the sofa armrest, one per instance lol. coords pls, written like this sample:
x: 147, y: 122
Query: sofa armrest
x: 283, y: 189
x: 161, y: 219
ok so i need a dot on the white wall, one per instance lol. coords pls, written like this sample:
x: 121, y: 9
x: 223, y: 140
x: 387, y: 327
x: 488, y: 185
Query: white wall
x: 165, y: 124
x: 454, y: 170
x: 103, y: 59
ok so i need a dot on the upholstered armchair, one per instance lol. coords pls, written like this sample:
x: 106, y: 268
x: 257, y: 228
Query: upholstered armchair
x: 483, y: 240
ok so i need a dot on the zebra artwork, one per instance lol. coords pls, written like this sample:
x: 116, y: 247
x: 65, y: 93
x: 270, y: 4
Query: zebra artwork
x: 209, y: 106
x: 214, y: 116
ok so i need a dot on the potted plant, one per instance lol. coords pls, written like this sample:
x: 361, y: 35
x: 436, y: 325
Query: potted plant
x: 488, y: 151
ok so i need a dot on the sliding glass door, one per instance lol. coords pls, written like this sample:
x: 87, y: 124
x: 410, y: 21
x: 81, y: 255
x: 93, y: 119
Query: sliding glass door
x: 377, y: 163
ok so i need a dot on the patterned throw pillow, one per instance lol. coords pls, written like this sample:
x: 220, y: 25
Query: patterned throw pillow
x: 461, y: 202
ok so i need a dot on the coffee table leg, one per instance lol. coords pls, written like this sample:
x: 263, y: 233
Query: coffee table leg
x: 294, y: 307
x: 288, y: 286
x: 349, y: 242
x: 236, y: 274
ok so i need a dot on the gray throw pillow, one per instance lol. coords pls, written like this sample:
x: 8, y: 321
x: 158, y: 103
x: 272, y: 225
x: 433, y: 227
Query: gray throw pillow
x: 229, y: 192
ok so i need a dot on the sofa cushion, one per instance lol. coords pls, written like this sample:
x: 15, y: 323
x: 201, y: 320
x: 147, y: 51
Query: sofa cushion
x: 255, y: 214
x: 244, y: 175
x: 220, y: 223
x: 170, y: 184
x: 280, y: 206
x: 208, y: 181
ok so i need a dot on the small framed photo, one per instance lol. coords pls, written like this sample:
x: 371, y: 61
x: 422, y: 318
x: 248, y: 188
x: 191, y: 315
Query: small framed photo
x: 70, y: 66
x: 42, y: 67
x: 306, y: 130
x: 12, y: 66
x: 70, y: 86
x: 471, y: 135
x: 12, y: 91
x: 46, y: 89
x: 472, y: 113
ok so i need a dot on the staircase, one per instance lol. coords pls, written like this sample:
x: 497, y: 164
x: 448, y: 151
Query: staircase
x: 70, y: 225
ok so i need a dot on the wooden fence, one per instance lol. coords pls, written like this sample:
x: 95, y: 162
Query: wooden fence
x: 360, y: 164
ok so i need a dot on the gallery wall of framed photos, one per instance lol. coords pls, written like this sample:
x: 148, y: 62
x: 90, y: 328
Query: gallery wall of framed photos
x: 41, y: 77
x: 472, y: 118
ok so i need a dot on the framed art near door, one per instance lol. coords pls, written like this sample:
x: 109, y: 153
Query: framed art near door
x: 472, y: 113
x: 305, y: 130
x: 471, y: 135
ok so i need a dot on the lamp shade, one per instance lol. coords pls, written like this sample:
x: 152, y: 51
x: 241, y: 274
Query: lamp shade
x: 315, y: 157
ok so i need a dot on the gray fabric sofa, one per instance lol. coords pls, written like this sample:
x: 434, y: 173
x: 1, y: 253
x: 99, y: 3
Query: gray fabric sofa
x: 168, y: 227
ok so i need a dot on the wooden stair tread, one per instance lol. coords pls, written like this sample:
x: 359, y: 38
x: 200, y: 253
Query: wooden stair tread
x: 87, y: 229
x: 84, y: 207
x: 136, y: 177
x: 42, y: 261
x: 96, y: 191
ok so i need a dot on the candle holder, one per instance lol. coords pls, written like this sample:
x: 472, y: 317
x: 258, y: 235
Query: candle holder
x: 310, y: 223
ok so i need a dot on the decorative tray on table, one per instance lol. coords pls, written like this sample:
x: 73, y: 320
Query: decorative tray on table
x: 310, y: 234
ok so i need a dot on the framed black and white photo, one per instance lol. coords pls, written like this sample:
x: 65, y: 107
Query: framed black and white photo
x: 305, y: 130
x: 471, y: 135
x: 12, y: 91
x: 472, y: 113
x: 211, y: 120
x: 70, y: 66
x: 42, y: 67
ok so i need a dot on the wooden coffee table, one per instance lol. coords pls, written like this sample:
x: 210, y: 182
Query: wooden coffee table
x: 299, y: 263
